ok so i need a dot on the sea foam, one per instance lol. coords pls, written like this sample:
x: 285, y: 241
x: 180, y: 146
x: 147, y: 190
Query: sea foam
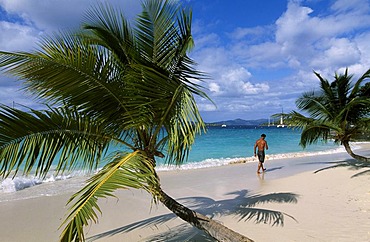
x: 77, y: 178
x: 227, y: 161
x: 18, y: 183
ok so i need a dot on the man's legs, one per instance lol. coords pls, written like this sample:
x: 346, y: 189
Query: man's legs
x: 260, y: 165
x: 261, y: 159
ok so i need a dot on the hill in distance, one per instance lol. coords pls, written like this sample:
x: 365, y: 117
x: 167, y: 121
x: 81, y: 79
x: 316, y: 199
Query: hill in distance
x: 240, y: 122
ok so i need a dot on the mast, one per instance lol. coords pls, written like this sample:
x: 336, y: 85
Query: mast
x: 281, y: 125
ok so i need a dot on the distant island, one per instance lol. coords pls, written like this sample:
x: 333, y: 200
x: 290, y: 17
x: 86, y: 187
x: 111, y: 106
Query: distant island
x: 239, y: 122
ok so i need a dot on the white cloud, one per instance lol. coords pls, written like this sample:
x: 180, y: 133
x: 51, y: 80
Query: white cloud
x: 206, y: 106
x: 303, y: 43
x: 210, y: 59
x: 250, y: 33
x: 214, y: 87
x: 340, y: 52
x: 362, y: 41
x: 257, y: 68
x: 235, y: 83
x: 354, y: 6
x: 235, y: 75
x: 16, y: 37
x: 297, y: 26
x: 208, y: 40
x: 52, y: 15
x: 249, y: 88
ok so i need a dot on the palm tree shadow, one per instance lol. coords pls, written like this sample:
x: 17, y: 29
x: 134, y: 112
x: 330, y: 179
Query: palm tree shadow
x: 182, y: 232
x: 351, y: 164
x: 242, y: 206
x: 158, y: 220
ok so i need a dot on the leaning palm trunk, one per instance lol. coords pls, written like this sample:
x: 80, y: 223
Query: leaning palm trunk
x: 211, y: 227
x: 353, y: 155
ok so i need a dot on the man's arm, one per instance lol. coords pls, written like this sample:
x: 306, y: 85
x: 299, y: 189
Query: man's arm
x: 267, y: 147
x: 254, y: 149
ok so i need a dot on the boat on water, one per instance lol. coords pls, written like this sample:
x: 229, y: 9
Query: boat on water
x: 223, y: 126
x: 281, y: 125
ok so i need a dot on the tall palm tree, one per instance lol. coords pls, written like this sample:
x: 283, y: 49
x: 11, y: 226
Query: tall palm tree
x: 339, y: 110
x: 109, y: 84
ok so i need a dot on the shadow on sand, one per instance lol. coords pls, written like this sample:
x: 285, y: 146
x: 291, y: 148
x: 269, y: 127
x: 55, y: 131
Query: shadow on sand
x: 242, y: 206
x: 351, y: 164
x: 274, y: 168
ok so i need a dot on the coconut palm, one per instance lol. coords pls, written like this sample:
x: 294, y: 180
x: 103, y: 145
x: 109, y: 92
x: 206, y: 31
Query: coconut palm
x: 109, y: 84
x: 339, y: 110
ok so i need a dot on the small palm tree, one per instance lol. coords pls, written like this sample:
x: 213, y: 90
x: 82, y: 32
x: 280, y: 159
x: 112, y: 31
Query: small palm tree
x: 109, y: 84
x: 339, y: 110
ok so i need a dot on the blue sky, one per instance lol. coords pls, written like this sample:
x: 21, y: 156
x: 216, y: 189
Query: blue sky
x: 259, y: 54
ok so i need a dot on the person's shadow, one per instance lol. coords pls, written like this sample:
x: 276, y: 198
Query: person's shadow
x: 273, y: 169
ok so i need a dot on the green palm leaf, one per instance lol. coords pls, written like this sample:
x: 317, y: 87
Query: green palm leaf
x: 357, y: 87
x: 37, y: 138
x: 339, y: 110
x: 182, y: 134
x: 126, y: 170
x: 107, y: 27
x: 313, y: 132
x: 117, y: 84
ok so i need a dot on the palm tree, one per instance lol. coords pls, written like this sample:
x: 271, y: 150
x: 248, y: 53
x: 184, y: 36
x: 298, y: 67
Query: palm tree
x: 109, y: 84
x: 339, y: 110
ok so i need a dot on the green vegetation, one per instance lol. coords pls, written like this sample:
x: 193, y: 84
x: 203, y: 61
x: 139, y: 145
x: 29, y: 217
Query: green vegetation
x: 339, y: 110
x: 109, y: 84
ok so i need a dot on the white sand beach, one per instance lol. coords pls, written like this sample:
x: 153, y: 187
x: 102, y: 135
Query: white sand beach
x: 330, y: 205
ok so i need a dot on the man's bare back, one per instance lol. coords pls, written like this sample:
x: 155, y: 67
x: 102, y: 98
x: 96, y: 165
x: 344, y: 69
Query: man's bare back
x: 261, y: 144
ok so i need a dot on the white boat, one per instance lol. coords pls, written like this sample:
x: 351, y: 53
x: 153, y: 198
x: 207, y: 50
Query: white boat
x: 281, y: 125
x: 223, y: 126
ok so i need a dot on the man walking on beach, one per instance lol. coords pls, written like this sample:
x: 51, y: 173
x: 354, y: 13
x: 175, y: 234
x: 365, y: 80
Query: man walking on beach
x: 261, y: 144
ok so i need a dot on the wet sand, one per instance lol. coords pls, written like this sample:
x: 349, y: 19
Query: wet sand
x: 290, y: 202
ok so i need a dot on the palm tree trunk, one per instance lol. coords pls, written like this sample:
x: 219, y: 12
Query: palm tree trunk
x: 353, y: 155
x: 211, y: 227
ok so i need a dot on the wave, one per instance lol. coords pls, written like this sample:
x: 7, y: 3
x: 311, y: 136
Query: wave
x: 18, y: 183
x: 229, y: 161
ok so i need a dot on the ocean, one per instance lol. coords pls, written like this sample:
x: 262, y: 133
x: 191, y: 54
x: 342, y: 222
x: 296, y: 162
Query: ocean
x: 234, y: 144
x: 219, y: 146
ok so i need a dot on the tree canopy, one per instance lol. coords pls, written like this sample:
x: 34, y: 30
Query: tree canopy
x: 339, y: 110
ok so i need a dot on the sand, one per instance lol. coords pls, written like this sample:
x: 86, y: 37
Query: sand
x: 290, y: 202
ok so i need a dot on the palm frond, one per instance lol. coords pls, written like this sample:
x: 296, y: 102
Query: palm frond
x: 314, y: 105
x: 184, y: 125
x: 36, y: 139
x: 156, y: 32
x: 357, y: 86
x: 69, y: 70
x: 314, y: 132
x: 109, y: 28
x: 339, y: 108
x: 356, y: 109
x: 126, y: 170
x: 298, y: 120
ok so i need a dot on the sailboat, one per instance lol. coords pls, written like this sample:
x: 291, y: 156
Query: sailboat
x: 281, y: 125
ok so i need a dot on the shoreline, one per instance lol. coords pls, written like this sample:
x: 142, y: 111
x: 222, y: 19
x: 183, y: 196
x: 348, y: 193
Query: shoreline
x: 331, y: 205
x: 11, y: 189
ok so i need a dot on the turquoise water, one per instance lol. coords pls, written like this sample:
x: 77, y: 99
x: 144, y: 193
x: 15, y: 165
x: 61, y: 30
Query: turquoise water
x: 219, y: 146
